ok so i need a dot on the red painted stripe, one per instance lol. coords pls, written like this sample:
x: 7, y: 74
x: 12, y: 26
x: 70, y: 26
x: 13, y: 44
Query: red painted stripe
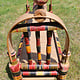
x: 30, y: 62
x: 46, y: 66
x: 58, y: 65
x: 15, y: 68
x: 32, y: 28
x: 14, y: 60
x: 34, y: 66
x: 38, y: 42
x: 30, y: 67
x: 49, y: 40
x: 39, y: 53
x: 28, y: 52
x: 39, y: 62
x: 56, y: 28
x: 59, y: 50
x: 27, y: 41
x: 43, y: 27
x: 66, y: 68
x: 26, y: 74
x: 51, y: 73
x: 16, y: 30
x: 48, y: 62
x: 22, y: 36
x: 39, y: 28
x: 51, y: 11
x: 54, y: 73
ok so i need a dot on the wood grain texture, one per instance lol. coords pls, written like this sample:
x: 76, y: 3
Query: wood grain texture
x: 39, y: 78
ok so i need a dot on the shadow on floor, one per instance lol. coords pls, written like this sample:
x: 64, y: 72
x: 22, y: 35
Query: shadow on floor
x: 34, y: 57
x: 8, y: 72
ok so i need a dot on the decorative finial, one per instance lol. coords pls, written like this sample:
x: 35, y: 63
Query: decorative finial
x: 41, y: 2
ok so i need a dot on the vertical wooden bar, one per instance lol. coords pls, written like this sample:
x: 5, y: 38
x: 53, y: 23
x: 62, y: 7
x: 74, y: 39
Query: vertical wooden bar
x: 26, y: 37
x: 48, y: 49
x: 58, y: 44
x: 50, y: 7
x: 38, y: 46
x: 28, y: 48
x: 27, y: 7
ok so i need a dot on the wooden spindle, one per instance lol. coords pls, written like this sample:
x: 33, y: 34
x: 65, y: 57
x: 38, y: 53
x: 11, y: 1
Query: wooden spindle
x: 38, y: 46
x: 49, y: 37
x: 28, y: 48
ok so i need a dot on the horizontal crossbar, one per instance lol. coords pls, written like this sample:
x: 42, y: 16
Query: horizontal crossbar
x: 34, y: 28
x: 54, y: 24
x: 34, y: 66
x: 40, y: 73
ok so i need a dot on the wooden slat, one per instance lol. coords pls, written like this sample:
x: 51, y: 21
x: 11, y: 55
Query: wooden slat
x: 39, y: 78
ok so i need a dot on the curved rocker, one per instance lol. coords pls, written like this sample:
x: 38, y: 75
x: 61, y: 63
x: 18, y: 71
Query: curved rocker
x: 39, y: 21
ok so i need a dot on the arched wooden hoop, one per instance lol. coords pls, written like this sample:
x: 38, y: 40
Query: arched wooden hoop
x: 28, y: 16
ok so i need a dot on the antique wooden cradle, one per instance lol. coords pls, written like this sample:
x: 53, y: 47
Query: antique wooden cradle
x: 39, y: 55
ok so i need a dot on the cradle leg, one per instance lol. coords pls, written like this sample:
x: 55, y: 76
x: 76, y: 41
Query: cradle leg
x: 38, y: 47
x: 61, y: 77
x: 15, y: 70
